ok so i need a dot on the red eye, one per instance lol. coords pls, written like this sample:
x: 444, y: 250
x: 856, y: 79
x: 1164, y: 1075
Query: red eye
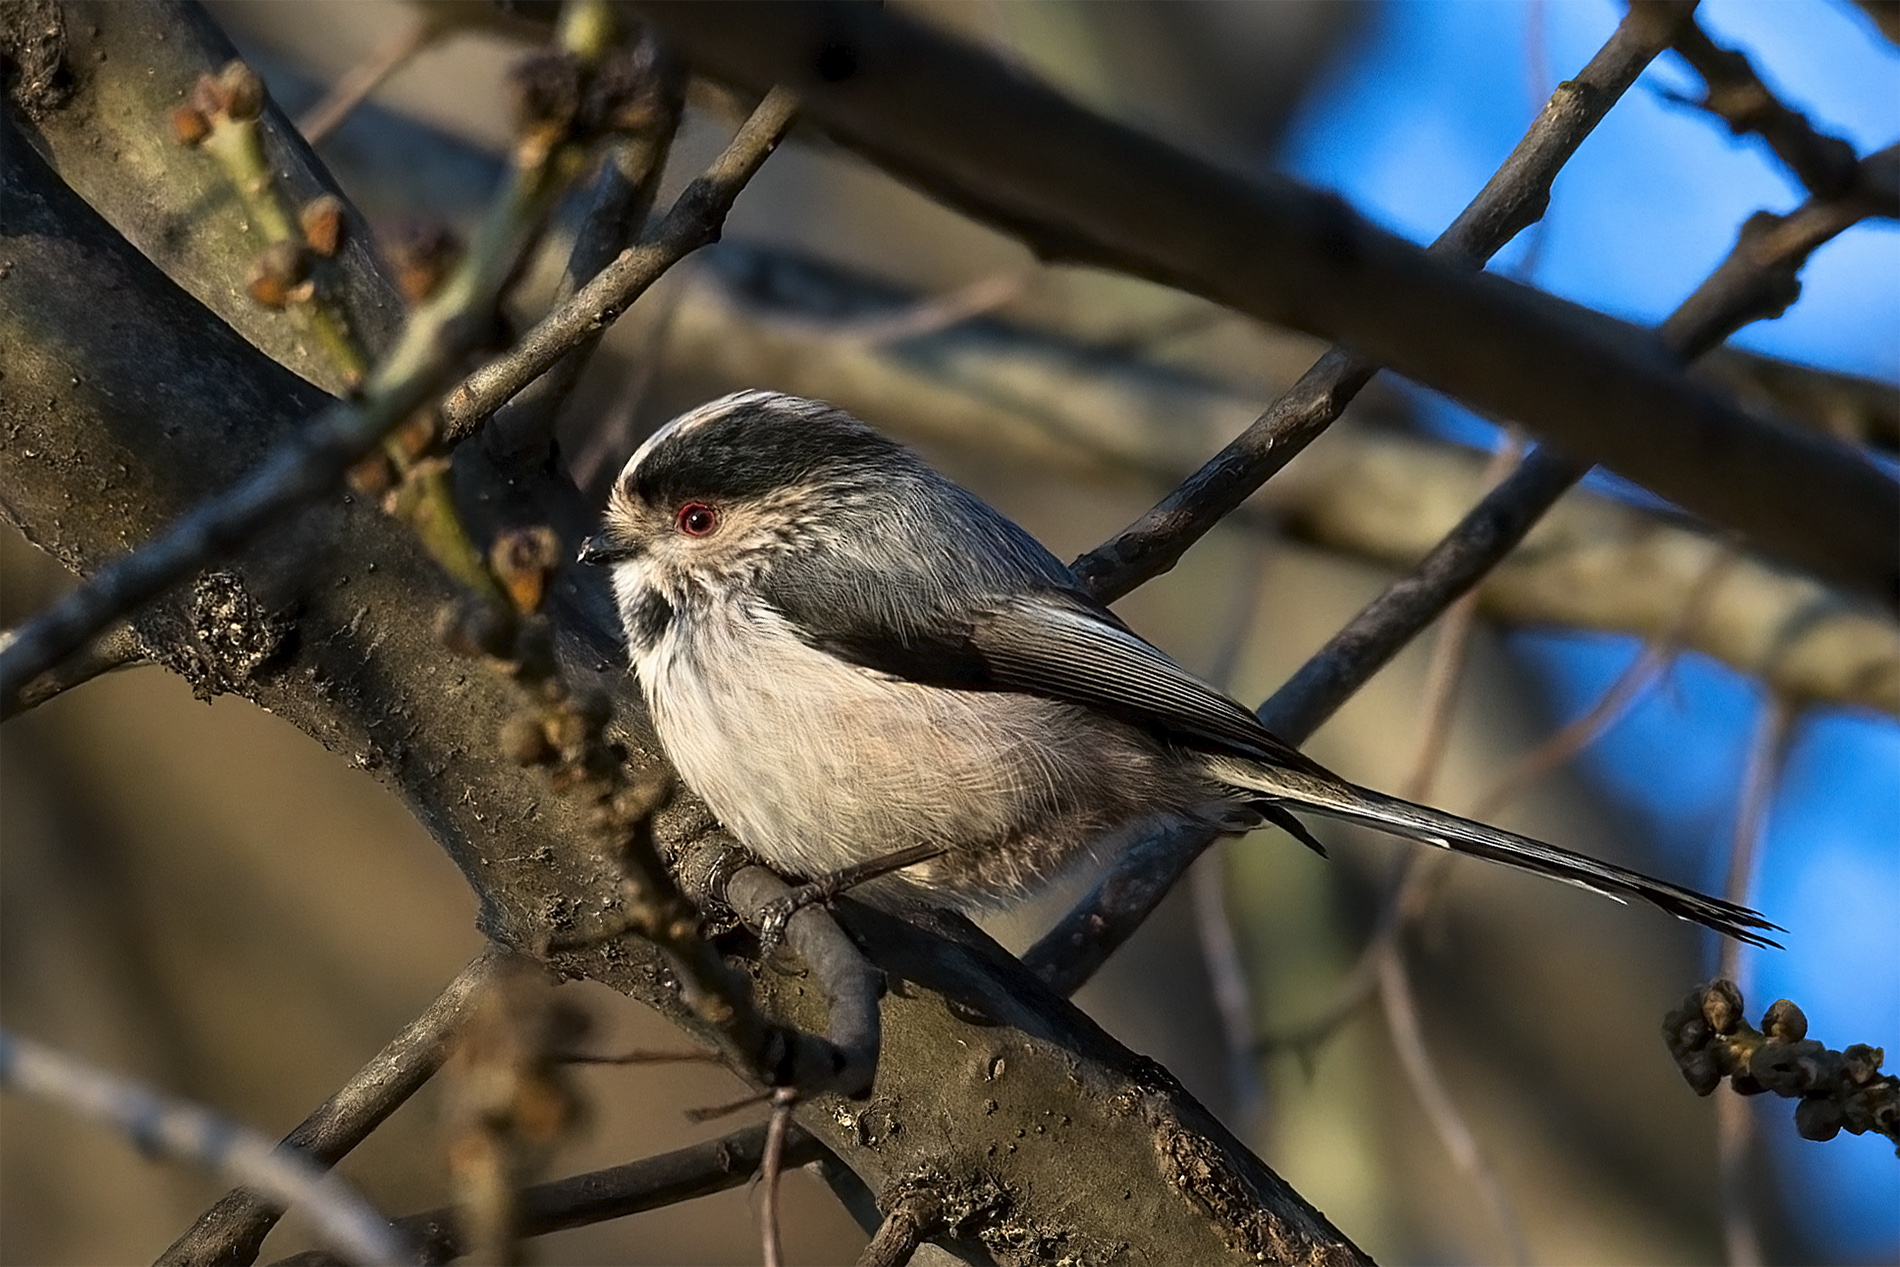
x: 696, y: 519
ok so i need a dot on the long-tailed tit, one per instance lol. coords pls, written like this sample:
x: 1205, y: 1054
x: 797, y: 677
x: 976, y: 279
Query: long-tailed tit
x: 848, y: 655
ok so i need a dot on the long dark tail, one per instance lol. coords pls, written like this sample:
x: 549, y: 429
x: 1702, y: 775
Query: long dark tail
x: 1297, y: 789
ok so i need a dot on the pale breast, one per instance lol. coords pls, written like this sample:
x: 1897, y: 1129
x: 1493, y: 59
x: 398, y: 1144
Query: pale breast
x: 816, y: 764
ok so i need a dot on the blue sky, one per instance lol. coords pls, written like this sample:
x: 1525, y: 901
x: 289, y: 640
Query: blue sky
x: 1409, y: 128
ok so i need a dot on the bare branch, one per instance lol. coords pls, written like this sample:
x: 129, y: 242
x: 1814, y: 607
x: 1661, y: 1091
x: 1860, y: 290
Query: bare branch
x: 366, y: 76
x: 693, y: 221
x: 233, y: 1230
x: 1826, y: 164
x: 1514, y: 197
x: 1001, y: 146
x: 117, y: 648
x: 618, y: 1191
x: 190, y: 1133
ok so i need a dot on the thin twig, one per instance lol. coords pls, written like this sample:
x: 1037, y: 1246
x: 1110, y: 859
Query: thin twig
x: 1401, y: 1019
x: 940, y: 312
x: 360, y: 80
x: 769, y: 1170
x: 595, y: 1197
x: 119, y: 647
x: 1629, y: 685
x: 1826, y: 164
x: 693, y: 221
x: 233, y: 1230
x: 909, y: 1219
x: 191, y: 1133
x: 1734, y: 1119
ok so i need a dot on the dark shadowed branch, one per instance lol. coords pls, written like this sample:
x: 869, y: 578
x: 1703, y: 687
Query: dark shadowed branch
x: 618, y: 1191
x: 1826, y: 164
x: 693, y: 221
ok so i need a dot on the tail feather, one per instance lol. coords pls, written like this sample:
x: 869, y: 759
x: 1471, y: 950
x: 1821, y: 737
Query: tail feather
x: 1297, y: 789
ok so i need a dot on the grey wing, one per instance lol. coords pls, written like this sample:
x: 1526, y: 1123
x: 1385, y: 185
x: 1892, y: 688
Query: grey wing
x: 1065, y: 645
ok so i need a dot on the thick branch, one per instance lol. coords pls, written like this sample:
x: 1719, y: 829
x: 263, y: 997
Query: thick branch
x: 983, y: 137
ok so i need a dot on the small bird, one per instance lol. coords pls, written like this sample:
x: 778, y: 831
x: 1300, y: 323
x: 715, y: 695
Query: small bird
x: 848, y: 656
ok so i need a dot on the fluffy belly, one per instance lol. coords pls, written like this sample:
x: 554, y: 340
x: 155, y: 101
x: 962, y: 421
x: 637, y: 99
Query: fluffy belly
x: 815, y: 764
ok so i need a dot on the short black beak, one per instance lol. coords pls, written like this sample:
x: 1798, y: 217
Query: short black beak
x: 600, y: 550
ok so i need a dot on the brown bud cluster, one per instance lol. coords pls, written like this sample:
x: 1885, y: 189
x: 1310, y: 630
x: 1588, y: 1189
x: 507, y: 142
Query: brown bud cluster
x: 234, y: 95
x: 523, y: 560
x: 322, y: 222
x: 633, y: 88
x: 1838, y: 1090
x: 280, y: 276
x: 421, y: 254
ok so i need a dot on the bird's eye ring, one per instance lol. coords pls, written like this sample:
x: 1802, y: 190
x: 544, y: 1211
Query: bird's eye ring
x: 696, y: 519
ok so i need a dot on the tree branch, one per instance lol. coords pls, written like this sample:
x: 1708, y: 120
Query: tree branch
x: 618, y: 1191
x: 693, y: 221
x: 1514, y: 197
x: 117, y: 648
x: 1826, y: 164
